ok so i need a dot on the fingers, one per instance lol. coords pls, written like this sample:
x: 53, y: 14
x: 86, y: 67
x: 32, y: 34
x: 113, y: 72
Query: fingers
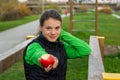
x: 55, y: 63
x: 48, y: 68
x: 51, y: 67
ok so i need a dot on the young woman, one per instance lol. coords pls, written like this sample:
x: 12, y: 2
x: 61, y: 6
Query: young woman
x: 55, y: 41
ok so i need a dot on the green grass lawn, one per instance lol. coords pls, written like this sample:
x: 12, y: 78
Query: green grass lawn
x: 78, y: 68
x: 4, y: 25
x: 112, y: 63
x: 118, y: 13
x: 108, y: 26
x: 14, y: 73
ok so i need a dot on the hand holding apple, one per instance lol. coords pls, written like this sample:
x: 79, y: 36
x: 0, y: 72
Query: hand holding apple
x: 49, y: 62
x: 46, y: 60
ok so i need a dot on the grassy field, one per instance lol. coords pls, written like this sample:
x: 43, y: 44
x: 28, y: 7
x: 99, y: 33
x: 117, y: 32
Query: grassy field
x: 78, y: 68
x: 112, y: 63
x: 4, y: 25
x: 108, y: 26
x: 118, y: 13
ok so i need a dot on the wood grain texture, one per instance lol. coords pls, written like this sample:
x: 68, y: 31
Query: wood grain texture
x: 95, y: 65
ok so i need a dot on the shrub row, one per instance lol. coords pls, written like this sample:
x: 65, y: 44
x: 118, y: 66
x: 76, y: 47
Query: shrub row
x: 84, y: 8
x: 15, y: 12
x: 106, y: 9
x: 11, y: 15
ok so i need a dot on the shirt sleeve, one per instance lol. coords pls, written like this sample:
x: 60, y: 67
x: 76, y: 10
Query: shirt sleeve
x: 33, y: 53
x: 74, y: 46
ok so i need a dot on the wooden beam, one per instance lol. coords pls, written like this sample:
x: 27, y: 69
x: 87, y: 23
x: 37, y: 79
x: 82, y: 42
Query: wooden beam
x: 30, y: 36
x: 111, y: 76
x: 11, y: 56
x: 96, y: 18
x: 95, y: 65
x: 71, y: 16
x: 101, y: 43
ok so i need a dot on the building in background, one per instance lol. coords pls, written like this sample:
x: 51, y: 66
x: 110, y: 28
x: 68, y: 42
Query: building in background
x: 93, y: 1
x: 101, y: 1
x: 79, y: 1
x: 22, y: 0
x: 57, y: 1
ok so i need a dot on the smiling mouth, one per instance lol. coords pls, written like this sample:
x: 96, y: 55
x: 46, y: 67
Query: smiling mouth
x: 53, y: 37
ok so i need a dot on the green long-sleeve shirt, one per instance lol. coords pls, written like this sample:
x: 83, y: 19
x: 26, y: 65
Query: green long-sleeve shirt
x: 74, y: 48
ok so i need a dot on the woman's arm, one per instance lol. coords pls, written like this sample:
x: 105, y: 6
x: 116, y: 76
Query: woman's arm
x: 33, y: 53
x: 74, y: 46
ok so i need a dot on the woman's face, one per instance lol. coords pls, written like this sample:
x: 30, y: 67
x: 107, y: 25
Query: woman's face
x: 51, y: 29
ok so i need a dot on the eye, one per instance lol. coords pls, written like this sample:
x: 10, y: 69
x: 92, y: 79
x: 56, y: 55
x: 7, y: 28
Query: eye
x: 48, y: 27
x: 57, y: 28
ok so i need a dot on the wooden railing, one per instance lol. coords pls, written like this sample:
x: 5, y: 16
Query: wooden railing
x: 95, y: 65
x: 11, y: 56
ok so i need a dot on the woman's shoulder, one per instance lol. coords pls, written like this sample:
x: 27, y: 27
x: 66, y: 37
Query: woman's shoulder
x: 33, y: 44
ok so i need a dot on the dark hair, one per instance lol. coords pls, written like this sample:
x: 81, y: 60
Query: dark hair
x: 50, y: 14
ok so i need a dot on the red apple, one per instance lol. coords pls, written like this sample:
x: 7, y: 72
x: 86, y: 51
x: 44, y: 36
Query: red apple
x: 46, y: 60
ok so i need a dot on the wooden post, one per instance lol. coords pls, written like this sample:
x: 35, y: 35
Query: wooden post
x: 96, y: 18
x: 29, y: 37
x: 101, y: 44
x: 71, y: 16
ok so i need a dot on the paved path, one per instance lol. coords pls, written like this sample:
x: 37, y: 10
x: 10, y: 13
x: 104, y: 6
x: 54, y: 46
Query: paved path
x: 12, y: 37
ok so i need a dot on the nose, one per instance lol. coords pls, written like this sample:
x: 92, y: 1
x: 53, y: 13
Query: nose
x: 53, y: 32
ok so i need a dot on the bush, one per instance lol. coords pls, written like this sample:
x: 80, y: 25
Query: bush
x: 11, y: 15
x: 7, y: 5
x: 106, y: 9
x: 11, y: 10
x: 24, y: 10
x: 36, y: 10
x: 83, y: 8
x: 54, y: 6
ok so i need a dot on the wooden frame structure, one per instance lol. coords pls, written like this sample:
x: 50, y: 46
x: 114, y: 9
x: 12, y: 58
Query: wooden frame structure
x: 96, y: 17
